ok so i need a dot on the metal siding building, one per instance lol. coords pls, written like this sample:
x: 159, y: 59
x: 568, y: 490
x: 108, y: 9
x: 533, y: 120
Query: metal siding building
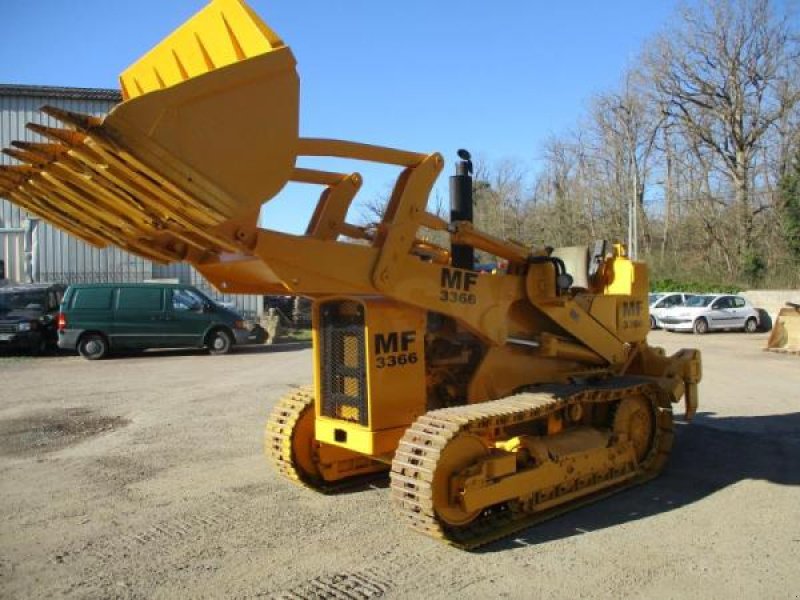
x: 33, y: 250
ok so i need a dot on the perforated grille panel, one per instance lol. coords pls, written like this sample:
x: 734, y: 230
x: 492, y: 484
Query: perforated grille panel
x: 344, y: 379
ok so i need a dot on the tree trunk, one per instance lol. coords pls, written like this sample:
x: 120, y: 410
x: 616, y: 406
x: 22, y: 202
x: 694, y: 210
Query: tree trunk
x: 743, y: 213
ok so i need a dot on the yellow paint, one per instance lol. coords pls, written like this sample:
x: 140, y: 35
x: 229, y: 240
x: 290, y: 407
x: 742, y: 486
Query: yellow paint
x: 785, y: 335
x: 209, y: 131
x: 358, y: 438
x: 221, y: 34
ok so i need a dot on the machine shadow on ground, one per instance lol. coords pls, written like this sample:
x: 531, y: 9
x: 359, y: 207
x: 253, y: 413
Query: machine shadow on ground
x: 707, y: 458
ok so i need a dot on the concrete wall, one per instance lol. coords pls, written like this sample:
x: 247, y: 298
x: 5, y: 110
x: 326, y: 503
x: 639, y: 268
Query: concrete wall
x: 772, y: 300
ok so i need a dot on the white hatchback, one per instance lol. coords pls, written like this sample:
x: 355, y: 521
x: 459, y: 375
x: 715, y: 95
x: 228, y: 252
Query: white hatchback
x: 711, y: 311
x: 661, y: 302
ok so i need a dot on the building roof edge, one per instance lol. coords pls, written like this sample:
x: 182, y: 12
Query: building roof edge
x: 47, y: 91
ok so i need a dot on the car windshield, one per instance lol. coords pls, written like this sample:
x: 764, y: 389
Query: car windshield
x: 17, y: 300
x: 699, y: 301
x: 655, y: 298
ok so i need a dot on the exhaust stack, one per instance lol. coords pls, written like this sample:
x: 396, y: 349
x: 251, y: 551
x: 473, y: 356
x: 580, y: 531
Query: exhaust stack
x: 463, y: 256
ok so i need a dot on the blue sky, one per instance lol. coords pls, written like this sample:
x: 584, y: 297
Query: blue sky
x: 496, y: 78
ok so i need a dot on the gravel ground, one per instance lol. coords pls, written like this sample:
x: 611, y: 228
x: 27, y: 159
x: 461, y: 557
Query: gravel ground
x: 143, y: 477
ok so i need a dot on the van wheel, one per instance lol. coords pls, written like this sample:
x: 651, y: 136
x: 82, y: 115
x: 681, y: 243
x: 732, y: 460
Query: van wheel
x: 751, y: 325
x: 93, y: 346
x: 219, y: 342
x: 701, y: 326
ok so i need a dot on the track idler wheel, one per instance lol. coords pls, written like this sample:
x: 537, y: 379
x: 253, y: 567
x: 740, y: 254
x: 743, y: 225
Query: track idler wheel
x: 289, y: 437
x: 634, y: 421
x: 462, y: 451
x: 290, y: 444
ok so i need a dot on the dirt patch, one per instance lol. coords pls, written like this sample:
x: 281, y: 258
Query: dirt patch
x: 47, y: 432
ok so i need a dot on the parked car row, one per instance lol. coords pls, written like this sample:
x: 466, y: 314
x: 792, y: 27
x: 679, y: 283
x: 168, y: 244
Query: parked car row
x: 97, y: 319
x: 701, y: 313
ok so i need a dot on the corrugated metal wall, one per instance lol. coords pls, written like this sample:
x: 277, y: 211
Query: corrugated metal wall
x: 61, y: 257
x: 12, y: 253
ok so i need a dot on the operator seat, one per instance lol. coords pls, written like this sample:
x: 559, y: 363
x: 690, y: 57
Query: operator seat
x: 585, y: 267
x: 576, y: 263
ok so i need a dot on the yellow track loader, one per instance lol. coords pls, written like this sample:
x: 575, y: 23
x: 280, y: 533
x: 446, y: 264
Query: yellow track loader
x: 493, y: 399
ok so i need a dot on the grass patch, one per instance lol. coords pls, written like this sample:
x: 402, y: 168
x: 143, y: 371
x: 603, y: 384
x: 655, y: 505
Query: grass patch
x: 6, y: 359
x: 287, y: 335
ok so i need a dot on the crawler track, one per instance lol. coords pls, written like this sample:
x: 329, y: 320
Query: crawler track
x: 415, y: 462
x: 278, y: 445
x: 278, y: 434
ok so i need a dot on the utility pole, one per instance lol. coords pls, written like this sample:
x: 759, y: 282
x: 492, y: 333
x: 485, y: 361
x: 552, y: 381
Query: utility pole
x: 633, y: 203
x: 634, y: 210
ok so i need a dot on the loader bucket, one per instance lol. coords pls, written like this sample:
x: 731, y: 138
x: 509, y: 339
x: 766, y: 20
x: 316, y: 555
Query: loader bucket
x: 207, y: 132
x: 785, y: 335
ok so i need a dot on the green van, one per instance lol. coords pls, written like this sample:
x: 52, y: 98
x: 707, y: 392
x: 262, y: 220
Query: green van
x: 96, y: 319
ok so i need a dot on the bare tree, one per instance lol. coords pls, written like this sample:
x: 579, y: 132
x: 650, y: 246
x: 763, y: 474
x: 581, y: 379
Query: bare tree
x: 501, y: 200
x: 726, y: 76
x: 626, y: 126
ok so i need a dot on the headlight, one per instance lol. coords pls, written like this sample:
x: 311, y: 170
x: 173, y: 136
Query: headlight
x: 24, y: 326
x: 240, y: 325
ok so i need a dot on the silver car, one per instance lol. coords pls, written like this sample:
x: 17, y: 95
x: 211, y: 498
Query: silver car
x: 703, y: 313
x: 661, y: 302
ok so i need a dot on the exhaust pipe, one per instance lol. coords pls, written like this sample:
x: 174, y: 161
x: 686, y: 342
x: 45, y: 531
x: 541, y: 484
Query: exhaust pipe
x: 463, y: 256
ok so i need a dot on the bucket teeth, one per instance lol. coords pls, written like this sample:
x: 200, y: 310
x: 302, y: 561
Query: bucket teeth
x: 68, y: 137
x: 31, y: 158
x: 17, y: 173
x: 79, y: 121
x: 46, y: 151
x: 33, y: 153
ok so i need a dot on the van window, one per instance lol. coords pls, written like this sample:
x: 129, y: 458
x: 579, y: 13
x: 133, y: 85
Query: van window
x: 140, y: 298
x: 183, y: 300
x: 738, y: 302
x: 92, y: 299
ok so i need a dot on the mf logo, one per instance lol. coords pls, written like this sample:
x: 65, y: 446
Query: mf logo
x: 632, y: 308
x: 396, y: 341
x: 458, y: 280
